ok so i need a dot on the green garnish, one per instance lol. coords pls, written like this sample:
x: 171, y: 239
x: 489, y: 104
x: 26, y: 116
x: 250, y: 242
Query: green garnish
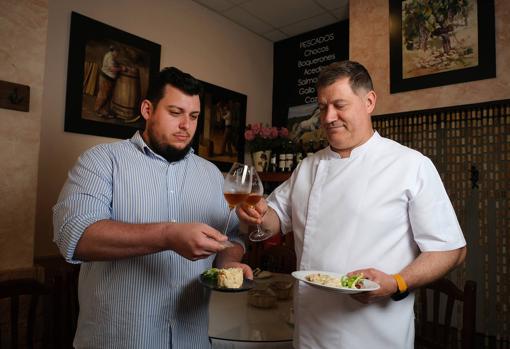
x: 211, y: 274
x: 352, y: 281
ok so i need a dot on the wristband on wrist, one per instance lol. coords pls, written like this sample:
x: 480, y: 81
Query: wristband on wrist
x: 402, y: 290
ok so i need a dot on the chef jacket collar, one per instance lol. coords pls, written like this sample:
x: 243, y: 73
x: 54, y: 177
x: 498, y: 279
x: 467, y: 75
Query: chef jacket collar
x: 359, y: 150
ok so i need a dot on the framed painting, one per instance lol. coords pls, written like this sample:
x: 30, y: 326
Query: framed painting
x: 108, y: 75
x: 220, y: 134
x: 435, y: 43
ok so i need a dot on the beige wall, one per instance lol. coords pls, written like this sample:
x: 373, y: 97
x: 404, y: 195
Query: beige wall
x: 192, y: 38
x: 369, y: 44
x: 22, y: 52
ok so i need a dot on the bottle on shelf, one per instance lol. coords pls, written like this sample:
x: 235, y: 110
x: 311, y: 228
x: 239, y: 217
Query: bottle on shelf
x: 273, y: 163
x: 289, y: 157
x: 298, y: 157
x: 282, y: 158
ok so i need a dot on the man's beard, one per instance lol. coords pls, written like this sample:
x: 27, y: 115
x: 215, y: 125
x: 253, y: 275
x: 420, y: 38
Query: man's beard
x: 169, y: 152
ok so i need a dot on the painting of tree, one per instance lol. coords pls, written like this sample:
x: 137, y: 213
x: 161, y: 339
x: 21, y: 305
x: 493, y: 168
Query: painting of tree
x: 438, y: 36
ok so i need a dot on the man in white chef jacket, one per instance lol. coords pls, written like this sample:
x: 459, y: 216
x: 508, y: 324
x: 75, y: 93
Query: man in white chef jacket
x: 363, y: 204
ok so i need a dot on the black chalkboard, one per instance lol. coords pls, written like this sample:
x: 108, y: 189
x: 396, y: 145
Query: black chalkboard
x: 297, y: 62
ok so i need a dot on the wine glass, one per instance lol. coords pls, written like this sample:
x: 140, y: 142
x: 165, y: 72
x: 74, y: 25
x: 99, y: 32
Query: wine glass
x: 257, y: 193
x: 236, y: 187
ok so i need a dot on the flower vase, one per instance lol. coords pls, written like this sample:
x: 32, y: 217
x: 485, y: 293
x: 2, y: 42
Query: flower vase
x: 260, y: 160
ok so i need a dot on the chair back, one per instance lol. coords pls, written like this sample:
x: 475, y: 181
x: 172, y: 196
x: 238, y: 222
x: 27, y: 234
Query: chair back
x: 434, y: 327
x: 13, y: 290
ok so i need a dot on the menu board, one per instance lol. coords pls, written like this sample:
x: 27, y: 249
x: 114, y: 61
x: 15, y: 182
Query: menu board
x: 297, y: 63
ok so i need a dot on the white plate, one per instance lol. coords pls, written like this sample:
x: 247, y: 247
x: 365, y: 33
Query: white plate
x: 367, y: 284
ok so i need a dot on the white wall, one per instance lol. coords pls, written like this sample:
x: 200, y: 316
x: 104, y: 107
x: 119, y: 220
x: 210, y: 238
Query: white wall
x: 192, y: 38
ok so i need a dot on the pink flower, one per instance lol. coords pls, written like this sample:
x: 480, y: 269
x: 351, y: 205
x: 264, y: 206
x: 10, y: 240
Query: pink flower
x: 249, y: 135
x: 265, y: 132
x: 256, y: 128
x: 283, y: 132
x: 273, y: 133
x: 259, y: 137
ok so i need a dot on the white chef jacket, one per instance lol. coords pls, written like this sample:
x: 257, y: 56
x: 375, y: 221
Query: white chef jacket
x: 378, y: 208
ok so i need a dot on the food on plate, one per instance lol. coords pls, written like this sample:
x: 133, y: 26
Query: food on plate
x: 211, y: 274
x: 230, y: 278
x: 225, y: 278
x: 353, y: 281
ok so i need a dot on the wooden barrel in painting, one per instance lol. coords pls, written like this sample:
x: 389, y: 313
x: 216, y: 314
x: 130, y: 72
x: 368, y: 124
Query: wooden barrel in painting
x: 126, y: 94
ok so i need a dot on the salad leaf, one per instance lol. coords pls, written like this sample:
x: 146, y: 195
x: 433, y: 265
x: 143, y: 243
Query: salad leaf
x: 353, y: 281
x: 211, y: 274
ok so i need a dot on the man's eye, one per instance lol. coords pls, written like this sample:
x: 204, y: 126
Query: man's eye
x: 193, y: 116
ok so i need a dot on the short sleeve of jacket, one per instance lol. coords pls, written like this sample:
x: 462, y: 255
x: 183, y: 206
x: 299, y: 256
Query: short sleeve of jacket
x: 433, y: 220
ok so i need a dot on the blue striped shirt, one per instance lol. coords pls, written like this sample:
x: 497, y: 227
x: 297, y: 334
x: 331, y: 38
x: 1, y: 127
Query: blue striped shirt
x: 152, y: 301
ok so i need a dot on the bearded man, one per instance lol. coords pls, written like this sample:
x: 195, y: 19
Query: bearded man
x: 142, y: 216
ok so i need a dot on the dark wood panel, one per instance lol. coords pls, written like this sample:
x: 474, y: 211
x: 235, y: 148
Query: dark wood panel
x: 274, y: 176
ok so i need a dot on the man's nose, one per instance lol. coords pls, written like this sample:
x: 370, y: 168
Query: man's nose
x: 184, y: 124
x: 329, y: 115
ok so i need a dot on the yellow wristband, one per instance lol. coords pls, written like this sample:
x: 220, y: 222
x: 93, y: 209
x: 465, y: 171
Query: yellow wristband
x: 401, y: 284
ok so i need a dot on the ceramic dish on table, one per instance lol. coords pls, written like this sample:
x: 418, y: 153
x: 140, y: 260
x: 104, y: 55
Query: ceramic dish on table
x: 261, y: 274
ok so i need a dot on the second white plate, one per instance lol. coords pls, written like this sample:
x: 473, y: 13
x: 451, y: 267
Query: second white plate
x: 367, y: 284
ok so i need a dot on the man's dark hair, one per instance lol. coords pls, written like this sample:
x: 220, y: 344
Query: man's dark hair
x: 176, y: 78
x: 357, y: 74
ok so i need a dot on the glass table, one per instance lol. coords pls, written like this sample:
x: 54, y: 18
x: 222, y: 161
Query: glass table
x: 235, y: 324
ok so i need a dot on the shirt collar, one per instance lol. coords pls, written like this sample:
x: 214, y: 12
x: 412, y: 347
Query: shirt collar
x: 138, y: 141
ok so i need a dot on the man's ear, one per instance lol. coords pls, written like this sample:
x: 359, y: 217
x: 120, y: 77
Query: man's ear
x: 370, y: 100
x: 146, y: 109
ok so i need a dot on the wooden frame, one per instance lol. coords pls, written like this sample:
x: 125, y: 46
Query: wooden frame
x: 427, y: 50
x: 215, y: 141
x: 107, y: 104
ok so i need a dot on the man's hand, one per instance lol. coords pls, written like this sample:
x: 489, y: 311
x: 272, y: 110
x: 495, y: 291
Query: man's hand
x: 259, y: 214
x: 194, y: 240
x: 426, y: 268
x: 386, y: 281
x: 252, y: 214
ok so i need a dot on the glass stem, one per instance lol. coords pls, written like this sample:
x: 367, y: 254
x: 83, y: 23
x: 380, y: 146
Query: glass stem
x: 228, y: 221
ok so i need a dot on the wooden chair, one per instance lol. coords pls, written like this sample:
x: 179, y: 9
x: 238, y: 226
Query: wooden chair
x: 61, y: 305
x: 13, y: 290
x: 434, y: 320
x: 278, y: 259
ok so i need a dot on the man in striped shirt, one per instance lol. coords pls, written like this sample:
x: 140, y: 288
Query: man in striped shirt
x: 142, y: 216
